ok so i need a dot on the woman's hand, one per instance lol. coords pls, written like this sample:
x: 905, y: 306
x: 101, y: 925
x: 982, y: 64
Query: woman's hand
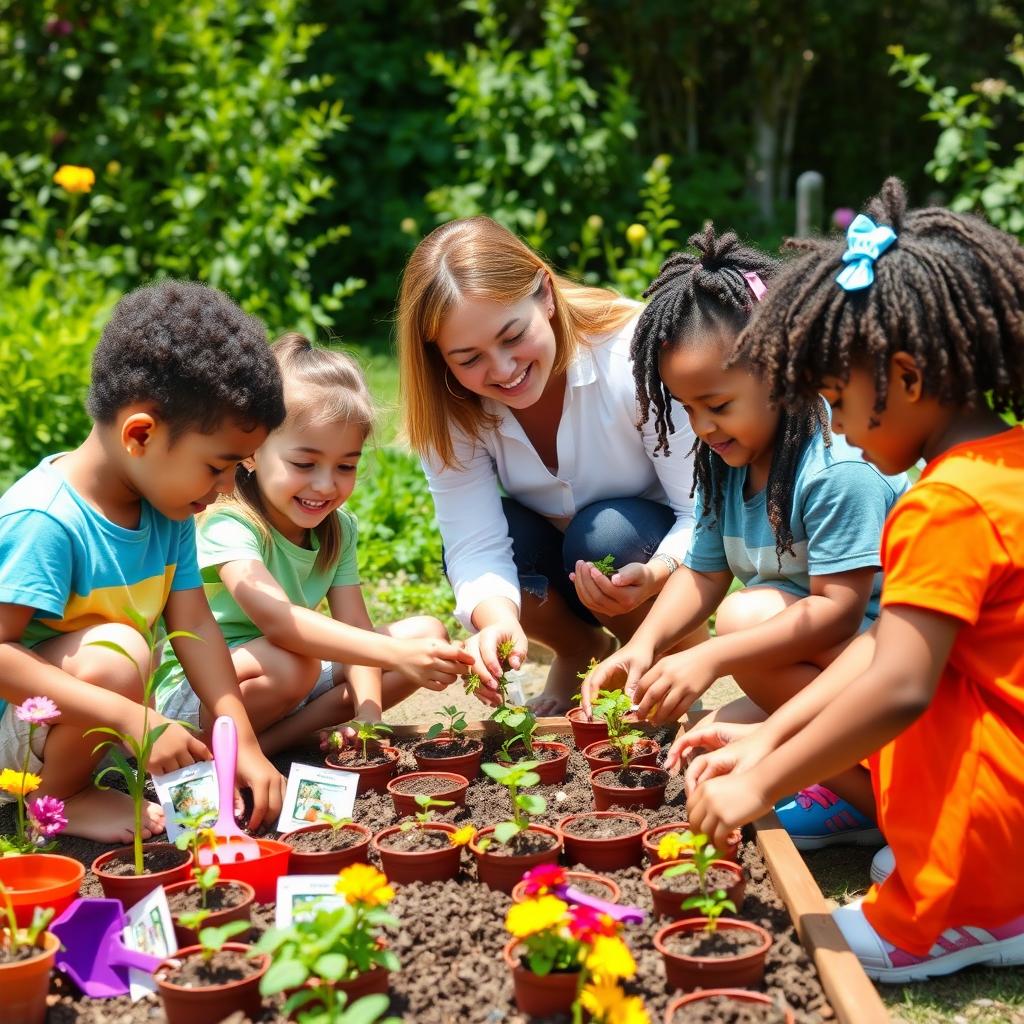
x: 627, y: 589
x: 483, y: 647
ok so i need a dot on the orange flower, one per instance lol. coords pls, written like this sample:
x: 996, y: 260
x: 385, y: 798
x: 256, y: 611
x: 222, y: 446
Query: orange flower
x: 75, y: 179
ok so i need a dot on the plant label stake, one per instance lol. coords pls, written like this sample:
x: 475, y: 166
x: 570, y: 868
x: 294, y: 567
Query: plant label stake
x: 232, y: 843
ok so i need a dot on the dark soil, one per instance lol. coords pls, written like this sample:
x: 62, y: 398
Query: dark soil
x: 719, y: 1010
x: 153, y: 861
x: 539, y: 754
x: 590, y: 887
x: 720, y: 942
x: 523, y: 843
x: 227, y: 965
x: 610, y: 753
x: 629, y: 778
x: 353, y: 758
x: 220, y: 897
x: 601, y: 828
x: 417, y: 839
x: 19, y: 953
x: 427, y: 786
x: 325, y: 840
x: 447, y: 747
x: 687, y: 885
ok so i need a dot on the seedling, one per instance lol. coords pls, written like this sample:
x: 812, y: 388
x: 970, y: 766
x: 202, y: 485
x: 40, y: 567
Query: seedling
x: 367, y: 732
x: 426, y: 815
x: 212, y: 940
x: 12, y: 937
x: 583, y: 676
x: 473, y: 682
x: 613, y: 706
x: 711, y: 904
x: 520, y: 724
x: 336, y: 824
x: 453, y: 721
x: 606, y: 566
x: 524, y: 805
x: 197, y: 834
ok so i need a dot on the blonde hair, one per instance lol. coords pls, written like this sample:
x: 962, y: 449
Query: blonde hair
x: 479, y: 258
x: 322, y: 386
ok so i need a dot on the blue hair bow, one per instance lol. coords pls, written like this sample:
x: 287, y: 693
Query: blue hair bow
x: 865, y: 242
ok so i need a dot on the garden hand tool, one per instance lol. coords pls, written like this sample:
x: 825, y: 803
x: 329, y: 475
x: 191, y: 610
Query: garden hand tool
x: 232, y: 843
x: 627, y: 915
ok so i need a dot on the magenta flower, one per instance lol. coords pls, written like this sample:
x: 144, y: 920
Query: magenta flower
x: 543, y: 879
x: 47, y: 814
x: 38, y: 711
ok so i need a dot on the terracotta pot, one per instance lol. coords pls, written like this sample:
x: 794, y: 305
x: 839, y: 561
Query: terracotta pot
x: 585, y: 732
x: 373, y: 778
x: 654, y: 835
x: 262, y: 874
x: 374, y: 982
x: 466, y: 765
x: 328, y: 862
x: 210, y: 1004
x: 744, y: 970
x: 606, y: 796
x: 25, y: 984
x: 405, y: 866
x: 604, y: 854
x: 40, y: 880
x: 129, y: 889
x: 552, y: 771
x: 670, y: 904
x: 736, y: 995
x: 239, y: 912
x: 405, y: 803
x: 503, y: 872
x: 612, y: 895
x: 649, y: 751
x: 540, y: 995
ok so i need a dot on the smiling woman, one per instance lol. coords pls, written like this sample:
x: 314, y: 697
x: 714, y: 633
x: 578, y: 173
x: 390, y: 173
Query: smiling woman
x: 514, y: 377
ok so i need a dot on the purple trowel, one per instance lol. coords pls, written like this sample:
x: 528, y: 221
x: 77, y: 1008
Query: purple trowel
x: 627, y: 915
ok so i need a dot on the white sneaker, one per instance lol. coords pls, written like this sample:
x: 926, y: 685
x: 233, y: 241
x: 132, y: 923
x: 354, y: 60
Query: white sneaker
x: 882, y: 864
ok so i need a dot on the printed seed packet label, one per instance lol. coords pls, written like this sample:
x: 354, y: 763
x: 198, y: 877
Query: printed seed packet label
x: 299, y: 897
x: 187, y: 791
x: 514, y: 687
x: 313, y: 792
x: 150, y: 929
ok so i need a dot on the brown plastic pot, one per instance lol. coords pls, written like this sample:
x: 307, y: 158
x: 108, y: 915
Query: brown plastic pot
x: 373, y: 778
x: 612, y: 894
x: 328, y: 862
x: 239, y: 912
x: 604, y: 854
x: 654, y: 835
x: 503, y: 872
x: 405, y: 803
x: 129, y: 889
x: 552, y: 771
x: 40, y: 880
x: 649, y: 756
x: 405, y: 866
x: 466, y: 765
x: 540, y: 995
x: 670, y: 904
x: 585, y: 732
x: 606, y: 796
x: 744, y: 970
x: 736, y: 995
x: 25, y: 984
x: 212, y: 1003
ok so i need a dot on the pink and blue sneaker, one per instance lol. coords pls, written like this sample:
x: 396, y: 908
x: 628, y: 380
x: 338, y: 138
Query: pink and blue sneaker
x: 816, y: 818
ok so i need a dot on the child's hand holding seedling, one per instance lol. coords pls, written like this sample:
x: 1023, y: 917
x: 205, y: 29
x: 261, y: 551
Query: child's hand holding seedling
x: 620, y: 671
x: 496, y: 649
x: 432, y: 664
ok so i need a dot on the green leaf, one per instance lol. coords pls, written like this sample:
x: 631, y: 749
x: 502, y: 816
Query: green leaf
x: 435, y: 730
x: 331, y: 966
x: 532, y: 804
x: 366, y: 1010
x: 112, y: 646
x: 506, y: 831
x: 283, y: 974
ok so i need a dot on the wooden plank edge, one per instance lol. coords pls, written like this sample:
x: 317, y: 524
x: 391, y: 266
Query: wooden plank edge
x: 851, y: 993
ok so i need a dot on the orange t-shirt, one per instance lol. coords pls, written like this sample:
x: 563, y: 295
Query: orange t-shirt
x: 950, y: 789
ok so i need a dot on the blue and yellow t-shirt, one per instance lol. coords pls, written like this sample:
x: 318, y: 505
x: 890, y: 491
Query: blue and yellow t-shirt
x: 76, y: 568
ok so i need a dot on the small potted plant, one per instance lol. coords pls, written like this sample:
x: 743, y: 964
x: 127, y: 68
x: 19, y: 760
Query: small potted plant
x: 205, y: 983
x: 327, y: 846
x: 628, y: 786
x: 666, y: 842
x: 446, y: 750
x: 372, y: 761
x: 586, y: 730
x: 26, y: 961
x: 439, y: 785
x: 541, y: 880
x: 422, y: 850
x: 603, y: 840
x: 337, y: 952
x: 683, y: 884
x: 625, y: 744
x: 504, y: 851
x: 728, y: 1004
x: 519, y: 725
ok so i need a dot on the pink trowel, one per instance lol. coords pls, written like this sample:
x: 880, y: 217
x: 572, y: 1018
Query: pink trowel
x: 232, y: 843
x: 627, y: 915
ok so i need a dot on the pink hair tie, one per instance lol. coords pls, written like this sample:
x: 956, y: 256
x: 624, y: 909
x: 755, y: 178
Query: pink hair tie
x: 756, y: 285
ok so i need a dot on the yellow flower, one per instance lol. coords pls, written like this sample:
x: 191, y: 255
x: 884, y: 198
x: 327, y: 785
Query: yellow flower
x: 635, y: 234
x: 609, y: 957
x: 671, y: 845
x: 630, y: 1011
x: 16, y: 783
x: 75, y: 179
x: 601, y: 997
x: 461, y: 836
x: 533, y: 916
x: 363, y: 883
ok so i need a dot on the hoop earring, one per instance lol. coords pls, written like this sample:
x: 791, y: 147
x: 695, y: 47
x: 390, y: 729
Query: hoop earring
x: 454, y: 394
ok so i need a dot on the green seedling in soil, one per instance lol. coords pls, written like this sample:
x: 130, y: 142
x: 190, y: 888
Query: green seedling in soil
x: 613, y: 706
x: 368, y: 732
x: 583, y: 676
x: 606, y: 566
x: 336, y: 824
x: 197, y: 833
x: 135, y: 778
x: 13, y: 938
x: 711, y: 904
x: 453, y: 721
x: 524, y: 805
x: 212, y: 940
x: 425, y: 804
x: 520, y: 724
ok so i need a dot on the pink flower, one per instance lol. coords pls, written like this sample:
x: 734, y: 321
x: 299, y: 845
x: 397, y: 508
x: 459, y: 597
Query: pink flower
x: 38, y: 711
x: 586, y: 924
x: 47, y: 814
x: 543, y: 878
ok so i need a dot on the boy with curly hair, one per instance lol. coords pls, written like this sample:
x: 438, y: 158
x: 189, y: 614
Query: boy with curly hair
x: 183, y: 388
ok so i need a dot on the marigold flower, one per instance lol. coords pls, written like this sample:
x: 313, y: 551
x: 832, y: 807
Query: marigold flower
x: 586, y: 924
x: 601, y: 997
x: 38, y: 711
x: 609, y: 957
x: 672, y: 845
x: 17, y: 783
x: 461, y: 836
x: 75, y: 179
x: 543, y: 878
x: 630, y: 1011
x: 363, y: 883
x: 533, y: 916
x: 47, y: 814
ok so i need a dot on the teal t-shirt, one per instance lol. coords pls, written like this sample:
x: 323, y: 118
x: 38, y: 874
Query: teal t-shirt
x: 839, y: 506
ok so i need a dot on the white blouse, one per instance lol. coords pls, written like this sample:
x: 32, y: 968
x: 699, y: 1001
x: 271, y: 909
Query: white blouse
x: 601, y: 456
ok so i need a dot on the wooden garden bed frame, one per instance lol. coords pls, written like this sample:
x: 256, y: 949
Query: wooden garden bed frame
x: 852, y: 995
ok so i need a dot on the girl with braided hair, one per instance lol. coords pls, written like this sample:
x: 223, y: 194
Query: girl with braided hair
x: 914, y: 332
x: 792, y: 513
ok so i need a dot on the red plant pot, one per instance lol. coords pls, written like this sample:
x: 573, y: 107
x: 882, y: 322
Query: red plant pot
x: 405, y: 866
x: 649, y: 756
x: 654, y: 835
x: 735, y: 995
x: 612, y: 893
x: 262, y: 874
x: 25, y: 984
x: 373, y: 778
x: 503, y: 872
x: 212, y: 1003
x: 129, y: 889
x: 552, y: 771
x: 613, y: 795
x: 239, y: 912
x: 40, y: 880
x: 328, y: 862
x: 405, y: 803
x: 743, y: 970
x: 604, y: 854
x: 466, y: 765
x: 374, y: 982
x: 585, y: 732
x: 540, y: 995
x: 670, y: 904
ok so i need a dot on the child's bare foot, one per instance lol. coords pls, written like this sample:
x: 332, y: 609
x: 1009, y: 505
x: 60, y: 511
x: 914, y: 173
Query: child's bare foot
x: 107, y: 816
x: 563, y: 682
